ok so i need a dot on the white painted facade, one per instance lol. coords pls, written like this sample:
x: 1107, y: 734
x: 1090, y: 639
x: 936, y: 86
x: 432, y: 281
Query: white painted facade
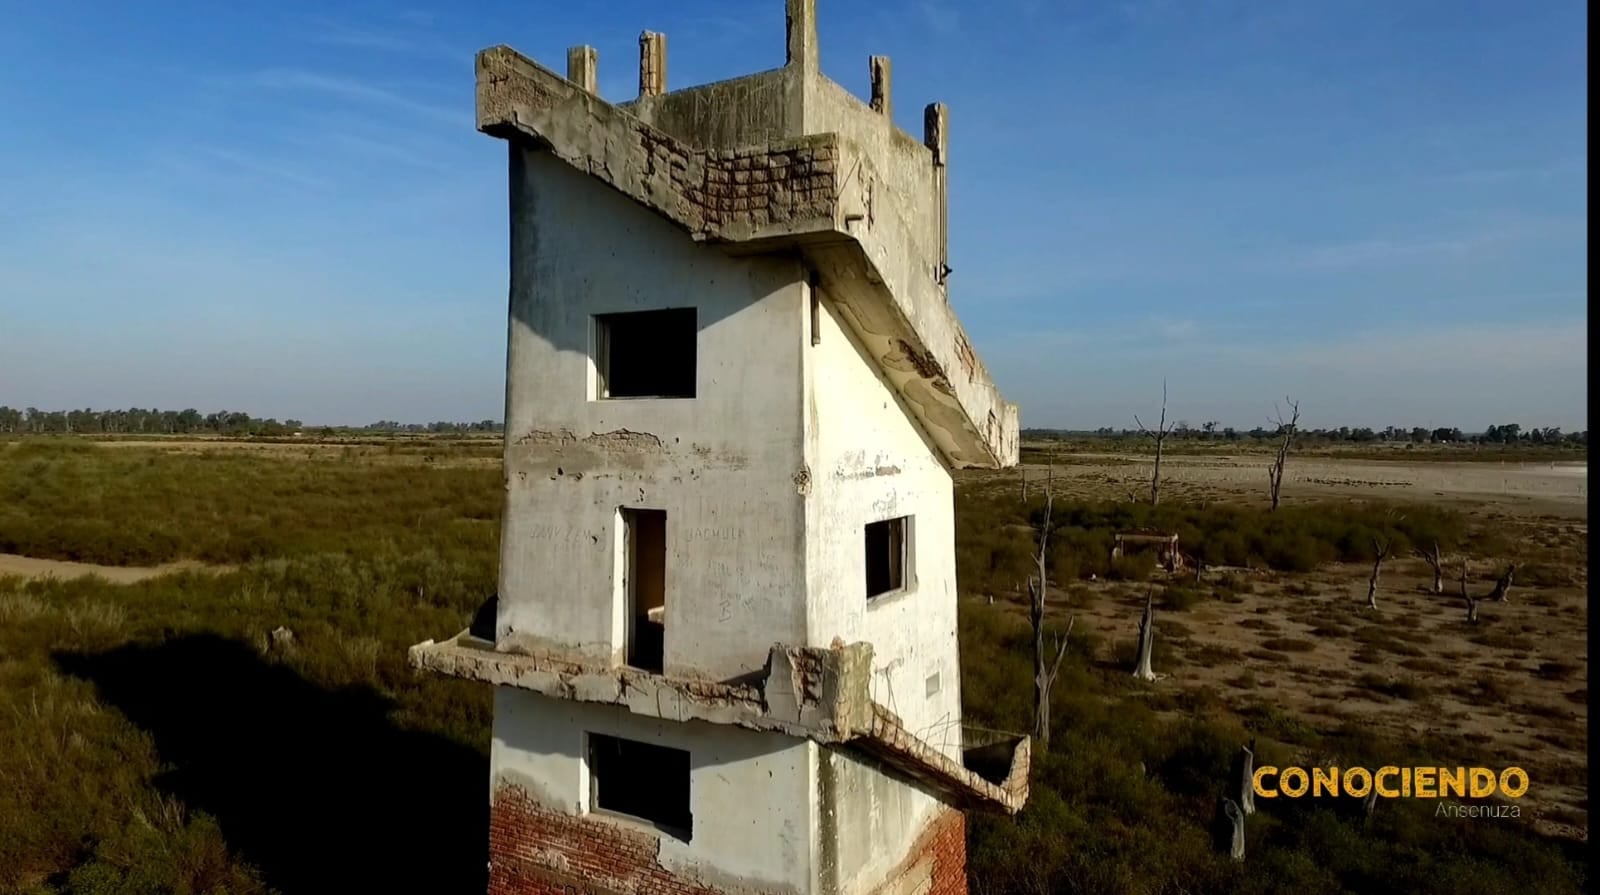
x: 769, y: 475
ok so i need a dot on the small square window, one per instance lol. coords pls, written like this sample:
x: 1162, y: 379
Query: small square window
x: 888, y: 556
x: 642, y: 781
x: 646, y: 354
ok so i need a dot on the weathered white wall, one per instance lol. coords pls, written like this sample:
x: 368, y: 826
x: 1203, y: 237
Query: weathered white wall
x: 871, y: 821
x: 909, y: 185
x: 870, y: 462
x: 769, y: 477
x: 723, y: 464
x: 751, y: 794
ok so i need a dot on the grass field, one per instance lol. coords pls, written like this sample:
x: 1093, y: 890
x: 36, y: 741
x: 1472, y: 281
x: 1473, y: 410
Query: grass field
x: 155, y: 737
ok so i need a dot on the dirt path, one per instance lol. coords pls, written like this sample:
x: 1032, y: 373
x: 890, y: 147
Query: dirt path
x: 28, y: 567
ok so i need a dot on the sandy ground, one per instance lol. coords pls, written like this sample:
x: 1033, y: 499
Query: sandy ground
x: 28, y: 567
x: 1513, y: 687
x: 1541, y: 488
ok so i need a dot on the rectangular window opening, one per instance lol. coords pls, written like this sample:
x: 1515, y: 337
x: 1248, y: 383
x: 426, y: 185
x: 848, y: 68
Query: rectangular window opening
x: 646, y: 354
x: 888, y: 553
x: 645, y: 536
x: 642, y: 781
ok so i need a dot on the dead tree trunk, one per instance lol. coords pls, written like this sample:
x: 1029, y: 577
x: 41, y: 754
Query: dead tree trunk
x: 1233, y: 828
x: 1432, y: 558
x: 1286, y: 431
x: 1380, y: 550
x: 1370, y: 805
x: 1044, y: 669
x: 1502, y: 587
x: 1472, y: 604
x: 1245, y: 767
x: 1159, y: 436
x: 1147, y: 634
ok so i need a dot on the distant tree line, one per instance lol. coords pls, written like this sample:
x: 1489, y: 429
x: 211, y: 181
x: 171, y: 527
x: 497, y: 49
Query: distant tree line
x: 140, y: 421
x: 1510, y: 433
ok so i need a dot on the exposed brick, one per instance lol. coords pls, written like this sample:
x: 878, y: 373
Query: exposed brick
x: 535, y: 851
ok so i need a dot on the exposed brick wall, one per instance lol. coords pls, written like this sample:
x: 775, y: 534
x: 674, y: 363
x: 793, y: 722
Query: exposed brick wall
x: 949, y: 848
x: 535, y: 851
x: 944, y: 843
x: 756, y: 187
x: 714, y: 193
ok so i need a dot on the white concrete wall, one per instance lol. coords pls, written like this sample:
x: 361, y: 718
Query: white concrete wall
x: 723, y: 464
x: 751, y: 794
x: 769, y: 477
x: 909, y: 185
x: 870, y: 462
x: 873, y: 821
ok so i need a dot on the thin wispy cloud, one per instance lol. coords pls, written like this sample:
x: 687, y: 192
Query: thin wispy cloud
x: 259, y: 165
x: 365, y: 150
x: 1146, y: 12
x: 1398, y: 250
x: 1476, y: 349
x: 354, y: 90
x: 942, y: 19
x: 1513, y: 173
x: 428, y: 45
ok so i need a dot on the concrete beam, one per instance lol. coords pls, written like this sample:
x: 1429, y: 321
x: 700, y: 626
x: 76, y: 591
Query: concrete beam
x: 800, y: 36
x: 818, y: 693
x: 652, y: 63
x: 583, y: 68
x: 879, y: 66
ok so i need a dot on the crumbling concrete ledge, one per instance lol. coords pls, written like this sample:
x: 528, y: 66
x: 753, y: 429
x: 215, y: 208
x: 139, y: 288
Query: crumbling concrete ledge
x: 816, y: 693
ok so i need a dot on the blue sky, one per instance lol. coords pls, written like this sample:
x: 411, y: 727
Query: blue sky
x: 1378, y: 208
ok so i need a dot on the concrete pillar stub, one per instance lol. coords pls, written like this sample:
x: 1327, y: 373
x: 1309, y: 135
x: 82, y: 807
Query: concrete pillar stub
x: 936, y: 132
x: 583, y: 65
x: 652, y: 63
x: 879, y: 66
x: 800, y: 23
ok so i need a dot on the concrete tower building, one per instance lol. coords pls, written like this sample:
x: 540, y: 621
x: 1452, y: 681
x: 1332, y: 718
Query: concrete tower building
x: 724, y: 648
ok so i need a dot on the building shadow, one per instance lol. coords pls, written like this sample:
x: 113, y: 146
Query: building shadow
x: 315, y: 787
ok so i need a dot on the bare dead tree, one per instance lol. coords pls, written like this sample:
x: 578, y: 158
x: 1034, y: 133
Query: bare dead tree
x: 1436, y: 563
x: 1380, y: 551
x: 1244, y: 770
x: 1233, y: 826
x: 1286, y: 433
x: 1159, y: 436
x: 1472, y: 604
x: 1368, y: 806
x: 1044, y: 669
x: 1502, y: 587
x: 1147, y: 633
